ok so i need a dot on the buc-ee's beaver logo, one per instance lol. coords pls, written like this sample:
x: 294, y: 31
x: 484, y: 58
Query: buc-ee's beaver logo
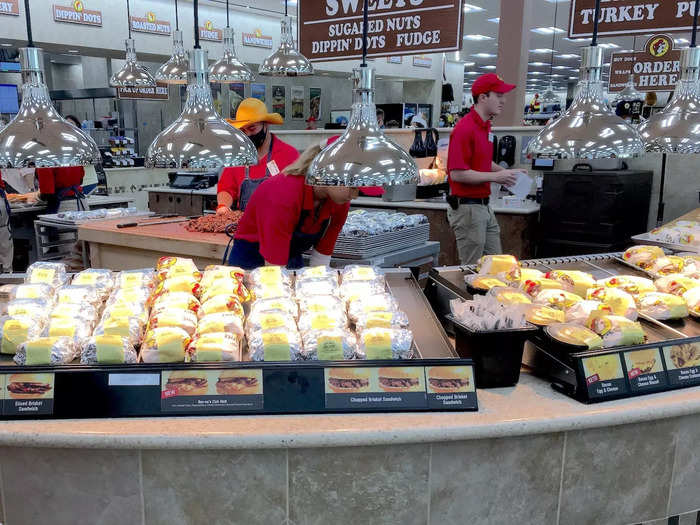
x: 78, y: 6
x: 209, y: 25
x: 151, y: 16
x: 659, y: 46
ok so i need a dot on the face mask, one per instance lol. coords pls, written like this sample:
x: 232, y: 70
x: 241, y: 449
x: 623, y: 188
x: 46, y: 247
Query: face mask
x: 259, y: 138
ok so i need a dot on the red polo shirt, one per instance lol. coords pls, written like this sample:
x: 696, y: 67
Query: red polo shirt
x: 53, y: 180
x: 231, y: 178
x: 274, y: 211
x: 470, y: 149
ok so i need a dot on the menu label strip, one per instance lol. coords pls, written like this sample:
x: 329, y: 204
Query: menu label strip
x: 683, y: 364
x: 604, y: 376
x: 645, y: 370
x: 227, y: 390
x: 27, y: 394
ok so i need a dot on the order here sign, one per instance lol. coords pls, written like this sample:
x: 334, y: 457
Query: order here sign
x: 332, y: 29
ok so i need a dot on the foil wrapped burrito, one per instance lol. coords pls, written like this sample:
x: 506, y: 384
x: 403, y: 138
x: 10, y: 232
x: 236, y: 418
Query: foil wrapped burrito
x: 220, y: 304
x: 124, y: 310
x: 129, y: 296
x: 359, y: 273
x: 320, y: 303
x: 317, y: 272
x: 79, y: 294
x: 165, y: 345
x: 224, y: 322
x: 374, y: 303
x: 281, y: 304
x: 32, y: 308
x: 53, y: 274
x: 185, y: 319
x: 311, y: 287
x: 32, y: 291
x: 72, y: 328
x: 334, y: 344
x: 130, y: 328
x: 108, y: 350
x: 215, y: 347
x: 46, y: 351
x: 271, y: 291
x: 385, y: 343
x: 270, y: 321
x: 129, y: 279
x: 102, y: 280
x: 388, y: 319
x: 168, y: 267
x: 353, y: 290
x: 14, y: 332
x: 269, y: 276
x: 214, y: 272
x: 280, y: 344
x: 328, y: 320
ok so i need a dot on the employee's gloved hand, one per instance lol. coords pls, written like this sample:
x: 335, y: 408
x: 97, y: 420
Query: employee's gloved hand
x: 318, y: 259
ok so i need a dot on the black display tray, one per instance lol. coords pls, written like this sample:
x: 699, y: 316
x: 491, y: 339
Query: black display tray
x: 80, y: 391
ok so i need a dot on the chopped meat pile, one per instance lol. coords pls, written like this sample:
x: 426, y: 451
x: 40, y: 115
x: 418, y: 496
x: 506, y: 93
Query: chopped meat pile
x: 396, y: 382
x: 187, y: 384
x: 28, y: 388
x: 685, y: 355
x: 348, y: 383
x: 214, y: 223
x: 447, y: 383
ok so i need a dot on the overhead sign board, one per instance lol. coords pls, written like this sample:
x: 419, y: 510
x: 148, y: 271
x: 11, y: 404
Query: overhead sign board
x: 624, y: 17
x: 332, y: 29
x: 656, y: 68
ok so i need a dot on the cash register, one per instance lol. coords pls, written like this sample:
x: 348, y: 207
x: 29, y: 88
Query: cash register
x: 188, y: 180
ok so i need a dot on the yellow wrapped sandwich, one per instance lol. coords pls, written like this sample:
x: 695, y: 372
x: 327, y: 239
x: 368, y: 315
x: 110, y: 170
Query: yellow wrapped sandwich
x: 559, y: 299
x: 508, y: 296
x: 484, y: 282
x: 573, y: 281
x: 662, y: 306
x: 544, y: 315
x: 533, y: 287
x: 667, y: 265
x: 692, y: 298
x: 629, y: 283
x: 616, y: 330
x: 643, y: 256
x: 620, y: 302
x: 502, y: 266
x: 573, y: 334
x: 676, y: 284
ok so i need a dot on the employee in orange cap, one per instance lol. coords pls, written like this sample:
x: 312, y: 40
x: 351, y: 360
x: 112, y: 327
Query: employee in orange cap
x: 471, y: 171
x: 237, y: 185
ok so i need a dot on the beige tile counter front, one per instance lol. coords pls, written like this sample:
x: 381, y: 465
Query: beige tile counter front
x: 530, y: 455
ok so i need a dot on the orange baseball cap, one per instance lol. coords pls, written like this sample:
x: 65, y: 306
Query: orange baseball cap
x: 490, y: 82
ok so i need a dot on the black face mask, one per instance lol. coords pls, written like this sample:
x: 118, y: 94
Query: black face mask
x: 259, y: 138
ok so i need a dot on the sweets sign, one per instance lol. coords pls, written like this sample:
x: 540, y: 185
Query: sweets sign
x: 656, y: 68
x: 9, y: 7
x: 210, y: 33
x: 77, y: 14
x: 150, y: 24
x: 623, y: 17
x: 332, y: 29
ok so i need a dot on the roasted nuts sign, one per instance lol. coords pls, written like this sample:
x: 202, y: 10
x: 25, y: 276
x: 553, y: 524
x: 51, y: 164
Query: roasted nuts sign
x: 257, y: 39
x: 9, y: 7
x: 77, y: 14
x: 150, y: 24
x: 622, y: 17
x: 210, y: 33
x: 656, y: 68
x: 159, y: 92
x: 332, y: 29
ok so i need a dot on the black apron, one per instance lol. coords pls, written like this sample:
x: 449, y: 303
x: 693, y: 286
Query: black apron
x: 246, y: 254
x: 248, y: 186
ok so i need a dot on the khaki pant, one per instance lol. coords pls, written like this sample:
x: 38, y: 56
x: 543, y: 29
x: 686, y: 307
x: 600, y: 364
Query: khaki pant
x: 476, y: 230
x: 6, y: 247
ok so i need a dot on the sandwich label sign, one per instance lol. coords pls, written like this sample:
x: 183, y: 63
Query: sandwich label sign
x: 683, y: 364
x: 226, y: 390
x: 27, y: 394
x: 645, y: 370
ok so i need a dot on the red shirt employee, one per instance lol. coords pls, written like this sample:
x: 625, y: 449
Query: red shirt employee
x: 237, y: 185
x: 471, y: 171
x: 6, y: 245
x: 286, y: 217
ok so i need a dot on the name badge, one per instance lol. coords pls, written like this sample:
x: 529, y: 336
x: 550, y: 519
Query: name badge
x: 272, y: 167
x: 490, y: 137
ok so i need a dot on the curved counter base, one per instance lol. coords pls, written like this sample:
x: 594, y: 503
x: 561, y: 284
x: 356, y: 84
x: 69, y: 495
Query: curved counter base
x: 530, y: 455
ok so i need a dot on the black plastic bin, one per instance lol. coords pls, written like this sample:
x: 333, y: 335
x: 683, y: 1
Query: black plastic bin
x: 497, y: 355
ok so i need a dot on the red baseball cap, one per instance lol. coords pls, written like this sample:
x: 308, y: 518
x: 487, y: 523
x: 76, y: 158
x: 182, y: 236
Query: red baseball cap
x: 490, y: 82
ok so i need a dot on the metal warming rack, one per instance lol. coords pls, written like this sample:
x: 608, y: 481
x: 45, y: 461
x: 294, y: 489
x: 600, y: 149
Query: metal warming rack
x: 353, y: 247
x: 565, y: 369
